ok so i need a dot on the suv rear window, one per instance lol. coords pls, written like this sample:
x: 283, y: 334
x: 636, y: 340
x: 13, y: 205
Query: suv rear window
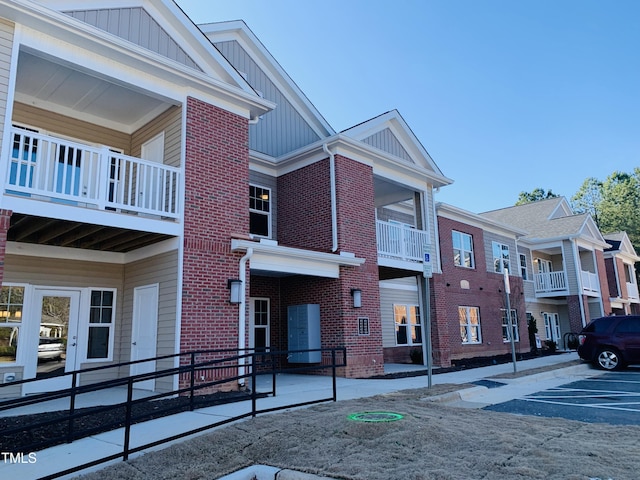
x: 629, y: 325
x: 599, y: 325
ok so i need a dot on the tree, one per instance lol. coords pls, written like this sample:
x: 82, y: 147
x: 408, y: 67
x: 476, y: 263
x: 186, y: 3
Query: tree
x: 589, y: 199
x: 534, y: 196
x: 620, y: 205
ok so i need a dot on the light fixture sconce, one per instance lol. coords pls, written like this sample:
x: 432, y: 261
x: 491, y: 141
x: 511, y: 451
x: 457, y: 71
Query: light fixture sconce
x: 235, y: 288
x: 356, y: 293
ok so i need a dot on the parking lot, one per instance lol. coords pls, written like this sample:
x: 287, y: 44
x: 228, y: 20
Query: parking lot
x: 605, y: 397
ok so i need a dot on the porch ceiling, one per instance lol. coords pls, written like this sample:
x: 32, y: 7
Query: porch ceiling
x: 45, y: 83
x: 65, y: 233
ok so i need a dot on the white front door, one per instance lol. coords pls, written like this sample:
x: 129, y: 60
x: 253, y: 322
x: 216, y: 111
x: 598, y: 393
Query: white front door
x: 552, y: 327
x: 54, y: 347
x: 144, y: 332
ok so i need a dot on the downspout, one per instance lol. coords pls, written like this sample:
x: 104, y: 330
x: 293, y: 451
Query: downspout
x: 578, y: 266
x: 334, y: 204
x: 242, y: 315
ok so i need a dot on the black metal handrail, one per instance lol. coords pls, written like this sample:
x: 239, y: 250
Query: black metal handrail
x: 248, y: 363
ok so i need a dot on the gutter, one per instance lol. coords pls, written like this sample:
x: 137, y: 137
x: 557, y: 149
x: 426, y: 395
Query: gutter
x: 242, y: 315
x: 334, y: 208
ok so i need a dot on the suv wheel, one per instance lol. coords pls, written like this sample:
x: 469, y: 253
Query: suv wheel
x: 609, y: 359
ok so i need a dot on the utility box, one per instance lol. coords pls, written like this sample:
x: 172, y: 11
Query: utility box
x: 304, y: 332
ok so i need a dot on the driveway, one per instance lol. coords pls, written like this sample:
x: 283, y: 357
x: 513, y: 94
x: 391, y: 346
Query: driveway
x: 605, y: 397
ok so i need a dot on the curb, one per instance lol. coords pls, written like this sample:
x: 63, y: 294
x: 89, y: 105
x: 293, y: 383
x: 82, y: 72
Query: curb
x: 468, y: 393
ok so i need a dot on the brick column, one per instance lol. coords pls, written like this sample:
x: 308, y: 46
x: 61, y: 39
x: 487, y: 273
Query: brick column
x: 216, y: 208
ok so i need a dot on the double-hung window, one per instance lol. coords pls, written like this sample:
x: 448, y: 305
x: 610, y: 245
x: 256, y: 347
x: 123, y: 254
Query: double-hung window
x: 408, y: 324
x: 523, y: 267
x: 260, y: 211
x: 11, y: 301
x: 469, y: 325
x: 500, y: 257
x: 101, y: 321
x: 462, y: 249
x: 514, y: 324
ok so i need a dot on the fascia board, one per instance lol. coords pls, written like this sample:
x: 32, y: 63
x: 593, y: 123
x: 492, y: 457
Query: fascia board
x: 102, y: 44
x: 239, y: 31
x: 383, y: 164
x: 454, y: 213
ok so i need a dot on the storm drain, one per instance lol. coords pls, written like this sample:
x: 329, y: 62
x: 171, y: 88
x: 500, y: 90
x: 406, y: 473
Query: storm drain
x: 374, y: 417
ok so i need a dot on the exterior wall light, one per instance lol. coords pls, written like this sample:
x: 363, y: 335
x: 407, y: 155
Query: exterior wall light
x: 356, y: 293
x: 235, y: 289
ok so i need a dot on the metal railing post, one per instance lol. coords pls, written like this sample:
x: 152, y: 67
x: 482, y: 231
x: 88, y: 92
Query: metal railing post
x: 192, y: 371
x: 273, y: 375
x: 254, y: 395
x: 127, y: 421
x: 72, y: 406
x: 333, y: 373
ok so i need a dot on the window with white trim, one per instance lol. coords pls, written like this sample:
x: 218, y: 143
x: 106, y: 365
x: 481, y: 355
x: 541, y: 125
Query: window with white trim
x: 260, y: 211
x: 523, y: 267
x: 500, y: 257
x: 469, y: 324
x: 100, y: 327
x: 11, y: 302
x: 505, y: 325
x: 408, y: 324
x: 462, y: 249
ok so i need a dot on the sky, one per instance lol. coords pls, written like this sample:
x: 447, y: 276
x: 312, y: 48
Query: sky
x: 506, y: 96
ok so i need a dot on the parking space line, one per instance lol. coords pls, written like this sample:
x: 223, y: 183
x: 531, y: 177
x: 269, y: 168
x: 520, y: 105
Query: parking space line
x: 594, y: 405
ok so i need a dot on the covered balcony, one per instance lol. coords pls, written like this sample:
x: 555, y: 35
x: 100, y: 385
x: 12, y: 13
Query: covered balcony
x: 551, y: 283
x: 400, y: 241
x: 44, y: 167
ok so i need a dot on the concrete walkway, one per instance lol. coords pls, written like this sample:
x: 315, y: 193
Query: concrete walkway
x: 293, y: 389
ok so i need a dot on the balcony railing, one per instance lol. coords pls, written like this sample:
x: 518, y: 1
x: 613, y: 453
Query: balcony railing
x: 47, y: 167
x: 632, y: 291
x: 590, y: 282
x: 551, y: 282
x: 401, y: 242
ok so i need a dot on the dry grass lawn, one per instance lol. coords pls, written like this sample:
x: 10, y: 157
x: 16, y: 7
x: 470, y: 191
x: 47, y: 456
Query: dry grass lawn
x: 432, y: 441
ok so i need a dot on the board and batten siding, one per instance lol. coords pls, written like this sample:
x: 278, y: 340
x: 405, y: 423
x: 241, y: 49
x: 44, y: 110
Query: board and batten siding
x: 137, y: 26
x: 71, y: 127
x: 400, y: 291
x: 6, y: 49
x: 280, y: 131
x: 386, y: 141
x: 262, y: 180
x: 163, y: 270
x: 169, y: 122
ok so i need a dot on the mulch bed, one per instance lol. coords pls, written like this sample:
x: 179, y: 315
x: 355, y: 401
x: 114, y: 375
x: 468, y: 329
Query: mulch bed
x: 28, y: 433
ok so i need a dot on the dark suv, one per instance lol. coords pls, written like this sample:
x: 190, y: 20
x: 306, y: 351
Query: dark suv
x: 611, y: 342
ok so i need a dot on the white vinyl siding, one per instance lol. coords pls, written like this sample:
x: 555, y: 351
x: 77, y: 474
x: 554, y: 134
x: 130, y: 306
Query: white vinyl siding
x: 398, y: 291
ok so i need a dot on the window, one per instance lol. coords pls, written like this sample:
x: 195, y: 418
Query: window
x: 505, y: 326
x: 469, y: 324
x: 259, y: 211
x: 101, y: 313
x: 11, y: 301
x: 523, y: 267
x: 462, y: 249
x: 261, y: 341
x: 500, y: 257
x: 408, y: 326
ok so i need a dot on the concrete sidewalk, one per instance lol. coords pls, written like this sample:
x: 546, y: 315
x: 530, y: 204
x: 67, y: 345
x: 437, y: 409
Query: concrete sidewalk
x: 292, y: 389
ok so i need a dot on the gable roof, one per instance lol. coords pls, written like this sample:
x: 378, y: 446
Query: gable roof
x: 295, y: 122
x: 390, y: 134
x: 549, y: 219
x: 621, y: 244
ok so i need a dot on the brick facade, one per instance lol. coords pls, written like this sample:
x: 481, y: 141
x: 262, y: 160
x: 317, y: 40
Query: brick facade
x: 472, y: 287
x: 604, y: 284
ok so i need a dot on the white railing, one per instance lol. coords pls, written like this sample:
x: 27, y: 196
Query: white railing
x: 48, y: 167
x: 632, y: 291
x: 400, y: 242
x: 550, y: 282
x: 590, y: 282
